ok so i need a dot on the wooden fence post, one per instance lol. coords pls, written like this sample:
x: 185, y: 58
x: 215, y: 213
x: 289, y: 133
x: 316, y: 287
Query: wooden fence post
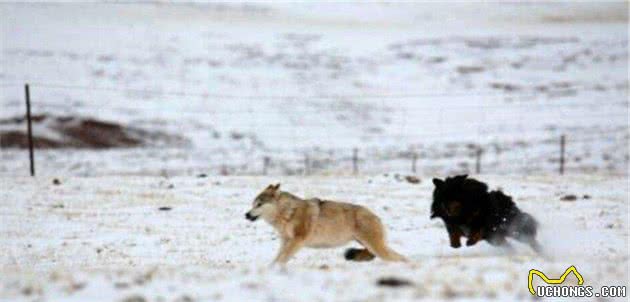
x: 27, y: 94
x: 307, y: 163
x: 562, y: 147
x: 266, y: 161
x: 414, y: 159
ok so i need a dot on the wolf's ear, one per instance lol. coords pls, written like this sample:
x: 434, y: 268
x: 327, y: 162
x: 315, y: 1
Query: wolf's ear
x: 275, y: 187
x: 438, y: 182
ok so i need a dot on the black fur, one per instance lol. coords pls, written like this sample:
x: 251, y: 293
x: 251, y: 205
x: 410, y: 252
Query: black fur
x: 469, y: 210
x: 351, y: 253
x: 354, y: 254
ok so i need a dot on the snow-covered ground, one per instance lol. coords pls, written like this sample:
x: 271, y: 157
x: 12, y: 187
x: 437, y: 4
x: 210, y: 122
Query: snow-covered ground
x: 104, y: 239
x: 303, y: 85
x: 245, y: 82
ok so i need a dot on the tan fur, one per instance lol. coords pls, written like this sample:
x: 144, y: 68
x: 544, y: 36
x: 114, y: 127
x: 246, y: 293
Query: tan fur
x: 319, y: 224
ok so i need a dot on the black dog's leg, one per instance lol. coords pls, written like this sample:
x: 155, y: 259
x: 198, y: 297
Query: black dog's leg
x: 536, y: 246
x: 454, y: 234
x: 501, y: 242
x: 525, y: 229
x: 474, y: 237
x: 532, y: 242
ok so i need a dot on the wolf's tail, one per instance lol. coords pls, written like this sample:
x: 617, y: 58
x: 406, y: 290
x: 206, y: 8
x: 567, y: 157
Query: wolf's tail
x: 353, y: 254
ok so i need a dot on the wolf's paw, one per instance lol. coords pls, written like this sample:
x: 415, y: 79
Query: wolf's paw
x: 455, y: 245
x: 353, y: 254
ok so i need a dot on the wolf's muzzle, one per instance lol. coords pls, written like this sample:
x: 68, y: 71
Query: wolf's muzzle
x: 250, y: 217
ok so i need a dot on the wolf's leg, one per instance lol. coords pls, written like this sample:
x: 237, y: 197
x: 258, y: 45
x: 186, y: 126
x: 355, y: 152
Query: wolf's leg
x: 299, y: 231
x: 288, y: 249
x: 376, y: 245
x: 353, y: 254
x: 371, y: 234
x: 280, y: 251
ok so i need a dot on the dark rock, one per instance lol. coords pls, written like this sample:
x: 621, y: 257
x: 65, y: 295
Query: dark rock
x: 412, y: 179
x: 121, y: 285
x: 469, y: 69
x: 184, y: 298
x: 393, y: 282
x: 134, y: 298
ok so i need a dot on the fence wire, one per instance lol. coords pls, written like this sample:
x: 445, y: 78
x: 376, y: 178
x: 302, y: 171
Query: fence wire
x: 427, y: 156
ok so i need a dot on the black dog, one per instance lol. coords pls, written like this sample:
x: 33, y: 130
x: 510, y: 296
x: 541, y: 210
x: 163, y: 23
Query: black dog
x: 469, y: 210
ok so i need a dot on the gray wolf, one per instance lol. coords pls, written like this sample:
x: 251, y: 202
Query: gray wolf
x: 320, y: 223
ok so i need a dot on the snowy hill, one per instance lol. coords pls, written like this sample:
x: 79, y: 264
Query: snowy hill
x: 245, y: 82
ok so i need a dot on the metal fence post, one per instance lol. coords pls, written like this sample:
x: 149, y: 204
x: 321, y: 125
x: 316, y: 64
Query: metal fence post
x: 355, y: 161
x: 27, y: 94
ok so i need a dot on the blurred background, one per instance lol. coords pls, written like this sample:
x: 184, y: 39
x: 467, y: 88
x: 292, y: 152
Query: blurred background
x: 326, y: 89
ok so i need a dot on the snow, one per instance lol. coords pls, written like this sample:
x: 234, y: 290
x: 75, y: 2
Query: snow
x: 104, y: 239
x: 244, y: 82
x: 287, y: 81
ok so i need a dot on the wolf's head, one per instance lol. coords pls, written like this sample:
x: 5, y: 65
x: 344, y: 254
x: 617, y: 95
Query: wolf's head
x: 264, y: 204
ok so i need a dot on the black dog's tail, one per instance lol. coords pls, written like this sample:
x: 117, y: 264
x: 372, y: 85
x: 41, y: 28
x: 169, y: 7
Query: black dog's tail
x: 527, y: 224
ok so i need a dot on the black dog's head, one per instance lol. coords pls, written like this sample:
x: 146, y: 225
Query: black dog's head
x: 453, y: 196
